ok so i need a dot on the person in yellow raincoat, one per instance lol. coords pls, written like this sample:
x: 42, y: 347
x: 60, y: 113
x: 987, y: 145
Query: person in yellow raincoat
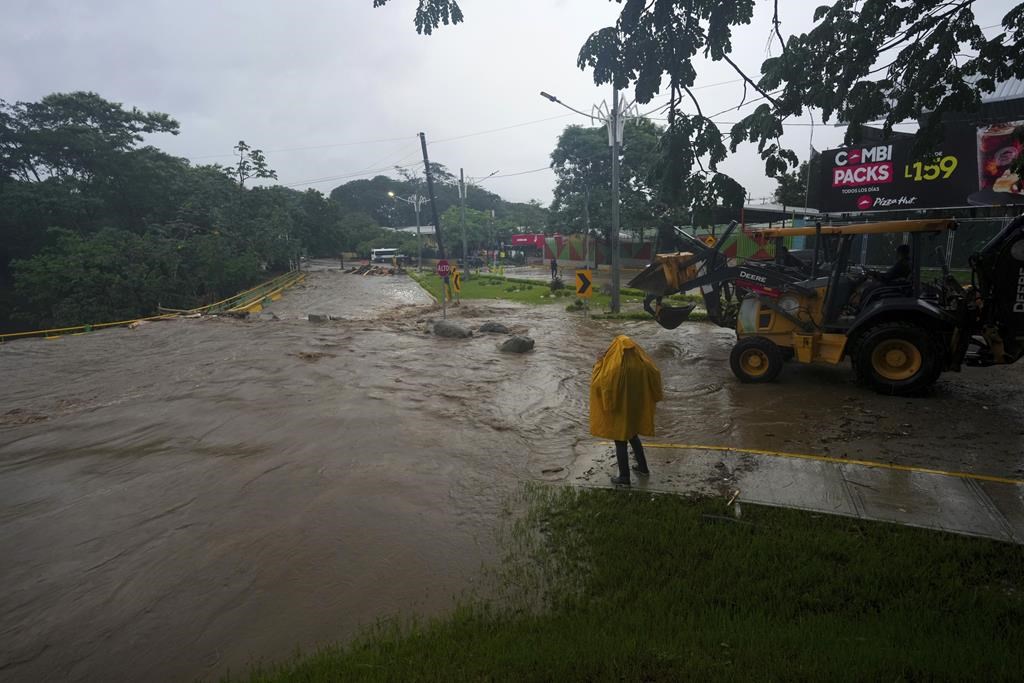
x: 625, y: 385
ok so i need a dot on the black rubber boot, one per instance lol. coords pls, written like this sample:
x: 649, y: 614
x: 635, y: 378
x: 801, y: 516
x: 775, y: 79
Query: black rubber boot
x: 622, y: 456
x: 638, y: 453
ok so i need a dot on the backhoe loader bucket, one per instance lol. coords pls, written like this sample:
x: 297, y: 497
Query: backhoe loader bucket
x: 671, y: 317
x: 666, y: 274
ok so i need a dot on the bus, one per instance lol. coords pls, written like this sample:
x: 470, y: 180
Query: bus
x: 385, y: 256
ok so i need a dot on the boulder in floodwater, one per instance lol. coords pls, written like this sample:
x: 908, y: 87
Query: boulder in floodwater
x: 494, y: 327
x: 446, y: 328
x: 317, y: 318
x: 517, y: 344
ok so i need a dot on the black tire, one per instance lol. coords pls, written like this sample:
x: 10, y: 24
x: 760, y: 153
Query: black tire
x: 897, y: 358
x: 755, y: 360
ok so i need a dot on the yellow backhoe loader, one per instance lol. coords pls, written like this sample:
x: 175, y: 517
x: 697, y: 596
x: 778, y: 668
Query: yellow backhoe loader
x: 900, y: 334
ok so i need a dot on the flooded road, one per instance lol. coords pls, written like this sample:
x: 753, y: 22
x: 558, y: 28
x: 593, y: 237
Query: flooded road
x: 182, y: 498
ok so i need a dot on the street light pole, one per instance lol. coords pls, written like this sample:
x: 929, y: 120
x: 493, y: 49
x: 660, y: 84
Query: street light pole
x: 463, y: 193
x: 417, y: 203
x: 614, y: 119
x: 614, y: 130
x: 419, y: 239
x: 462, y: 217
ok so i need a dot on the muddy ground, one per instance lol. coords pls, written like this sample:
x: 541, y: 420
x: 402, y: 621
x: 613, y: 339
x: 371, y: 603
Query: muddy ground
x: 180, y: 499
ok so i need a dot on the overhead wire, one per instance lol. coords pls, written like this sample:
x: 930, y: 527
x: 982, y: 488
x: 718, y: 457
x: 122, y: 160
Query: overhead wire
x: 297, y: 149
x: 509, y: 175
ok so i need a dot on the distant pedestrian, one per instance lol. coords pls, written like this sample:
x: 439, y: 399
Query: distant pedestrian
x: 341, y: 261
x: 554, y: 269
x: 625, y: 385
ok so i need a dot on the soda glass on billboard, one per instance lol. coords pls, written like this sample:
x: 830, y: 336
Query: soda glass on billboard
x: 998, y: 147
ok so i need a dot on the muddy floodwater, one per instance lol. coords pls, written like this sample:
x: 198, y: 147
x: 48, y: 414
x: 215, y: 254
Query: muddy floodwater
x: 183, y: 498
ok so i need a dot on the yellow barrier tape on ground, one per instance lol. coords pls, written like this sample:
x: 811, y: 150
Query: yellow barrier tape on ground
x: 839, y: 461
x: 280, y: 283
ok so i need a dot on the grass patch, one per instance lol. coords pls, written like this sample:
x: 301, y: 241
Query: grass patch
x: 479, y: 286
x: 491, y: 287
x: 608, y: 585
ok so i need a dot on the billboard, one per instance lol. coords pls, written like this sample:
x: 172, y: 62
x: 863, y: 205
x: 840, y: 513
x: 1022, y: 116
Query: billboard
x: 972, y: 168
x: 528, y: 240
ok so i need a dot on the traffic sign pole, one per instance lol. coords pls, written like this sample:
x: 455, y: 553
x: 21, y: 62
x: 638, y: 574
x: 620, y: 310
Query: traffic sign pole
x: 443, y: 269
x: 585, y: 288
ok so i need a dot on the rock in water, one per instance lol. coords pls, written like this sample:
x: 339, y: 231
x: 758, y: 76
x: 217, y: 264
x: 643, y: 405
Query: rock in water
x: 444, y: 328
x: 317, y: 318
x: 517, y: 344
x: 494, y: 327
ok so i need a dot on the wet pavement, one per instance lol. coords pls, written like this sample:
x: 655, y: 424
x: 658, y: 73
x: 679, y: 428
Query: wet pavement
x: 181, y: 498
x: 975, y: 505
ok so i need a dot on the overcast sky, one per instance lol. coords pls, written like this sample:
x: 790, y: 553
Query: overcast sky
x: 353, y: 85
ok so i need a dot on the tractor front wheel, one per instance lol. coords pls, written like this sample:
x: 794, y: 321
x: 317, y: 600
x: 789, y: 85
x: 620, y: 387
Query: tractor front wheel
x: 756, y: 359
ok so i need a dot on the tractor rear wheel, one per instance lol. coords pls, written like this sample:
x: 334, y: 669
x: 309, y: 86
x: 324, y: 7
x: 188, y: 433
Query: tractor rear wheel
x: 897, y: 358
x: 756, y: 359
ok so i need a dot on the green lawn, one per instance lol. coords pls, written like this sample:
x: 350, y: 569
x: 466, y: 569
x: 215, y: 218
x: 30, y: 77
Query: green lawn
x: 615, y: 585
x: 494, y: 287
x: 537, y: 292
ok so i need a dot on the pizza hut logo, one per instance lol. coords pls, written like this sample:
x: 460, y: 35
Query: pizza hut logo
x: 870, y: 165
x: 865, y: 202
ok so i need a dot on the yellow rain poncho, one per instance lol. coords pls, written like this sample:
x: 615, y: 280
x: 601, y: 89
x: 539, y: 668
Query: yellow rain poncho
x: 624, y: 386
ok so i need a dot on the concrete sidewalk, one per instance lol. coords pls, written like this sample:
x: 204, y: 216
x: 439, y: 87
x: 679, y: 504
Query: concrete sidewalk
x: 963, y: 503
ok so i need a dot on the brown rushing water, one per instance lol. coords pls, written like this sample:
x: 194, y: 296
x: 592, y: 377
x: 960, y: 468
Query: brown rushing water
x: 191, y: 495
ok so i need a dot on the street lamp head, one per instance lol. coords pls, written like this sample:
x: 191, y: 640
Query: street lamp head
x: 547, y: 96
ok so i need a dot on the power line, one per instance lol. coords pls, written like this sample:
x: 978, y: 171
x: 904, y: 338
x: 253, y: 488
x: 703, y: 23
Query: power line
x: 365, y: 172
x: 509, y: 175
x: 497, y: 130
x: 297, y: 149
x: 392, y: 139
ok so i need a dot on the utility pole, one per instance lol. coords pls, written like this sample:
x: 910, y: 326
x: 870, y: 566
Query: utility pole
x: 462, y: 218
x: 430, y: 192
x: 613, y: 129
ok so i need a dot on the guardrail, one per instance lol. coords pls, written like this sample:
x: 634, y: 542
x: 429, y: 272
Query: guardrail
x: 250, y: 301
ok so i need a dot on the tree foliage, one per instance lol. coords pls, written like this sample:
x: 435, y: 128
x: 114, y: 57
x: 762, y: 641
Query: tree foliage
x: 371, y: 196
x: 251, y: 164
x: 94, y: 227
x: 71, y: 135
x: 792, y: 187
x: 582, y: 164
x: 864, y: 60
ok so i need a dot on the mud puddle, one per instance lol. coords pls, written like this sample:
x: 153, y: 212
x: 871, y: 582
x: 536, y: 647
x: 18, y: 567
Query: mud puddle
x: 182, y: 498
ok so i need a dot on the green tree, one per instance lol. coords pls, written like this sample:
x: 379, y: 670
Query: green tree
x: 251, y: 164
x: 582, y: 164
x: 792, y: 187
x: 71, y: 135
x: 887, y: 60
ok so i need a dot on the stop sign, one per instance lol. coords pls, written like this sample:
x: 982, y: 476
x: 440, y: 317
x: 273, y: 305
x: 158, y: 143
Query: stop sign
x: 443, y: 269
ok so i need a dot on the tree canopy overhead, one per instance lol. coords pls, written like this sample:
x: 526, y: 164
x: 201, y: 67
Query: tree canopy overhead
x: 864, y: 61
